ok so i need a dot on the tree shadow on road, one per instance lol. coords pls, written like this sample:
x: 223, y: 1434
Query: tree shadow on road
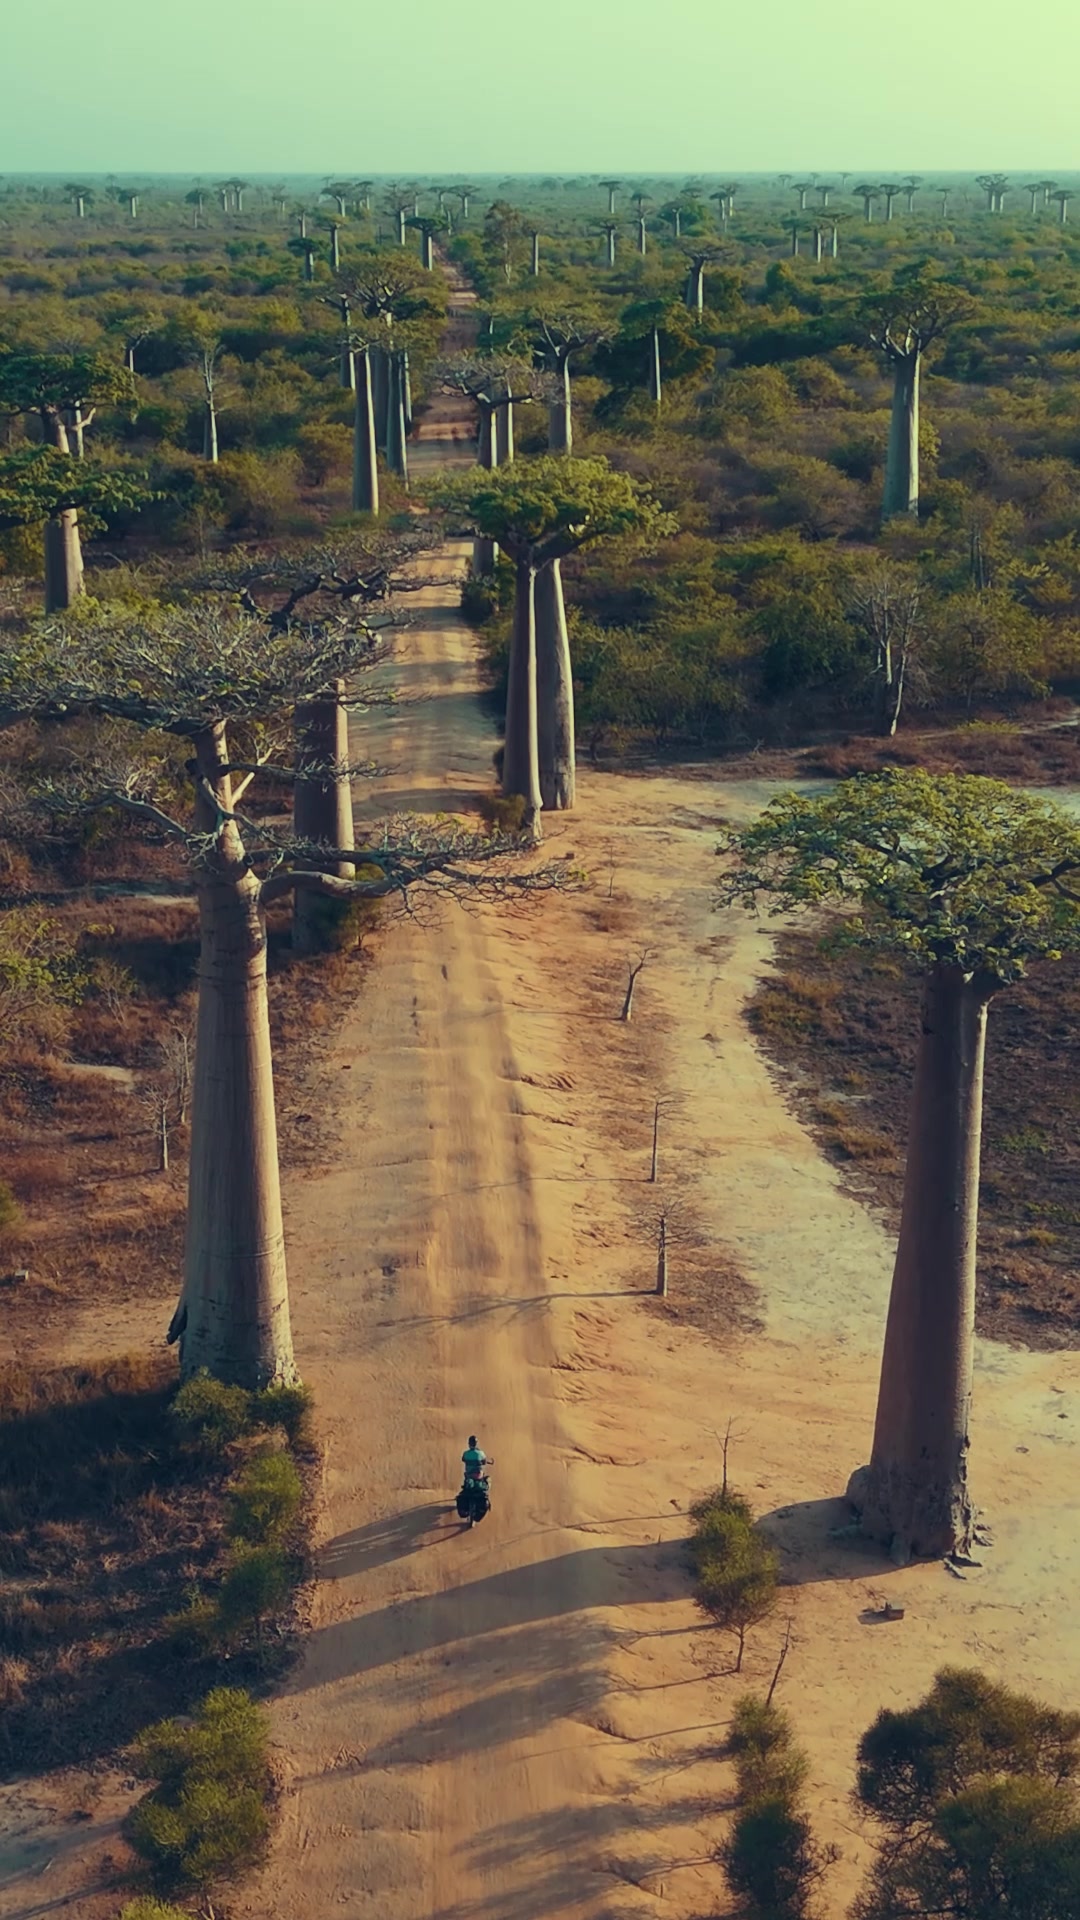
x: 382, y: 1541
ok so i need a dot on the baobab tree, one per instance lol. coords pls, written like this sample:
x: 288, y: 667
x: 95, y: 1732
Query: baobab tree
x: 868, y: 194
x: 911, y: 188
x: 995, y: 186
x: 1062, y: 195
x: 128, y: 197
x: 463, y: 195
x: 196, y: 200
x: 503, y: 230
x: 970, y: 881
x: 794, y: 227
x: 331, y: 225
x: 339, y: 191
x: 902, y: 323
x: 610, y: 230
x: 823, y: 190
x: 204, y: 673
x: 304, y: 247
x: 539, y: 511
x: 696, y: 263
x: 891, y: 189
x: 672, y: 212
x: 612, y: 188
x: 885, y: 606
x: 801, y: 188
x: 559, y: 336
x: 943, y: 194
x: 62, y: 391
x: 42, y: 486
x: 400, y: 202
x: 80, y: 197
x: 427, y: 226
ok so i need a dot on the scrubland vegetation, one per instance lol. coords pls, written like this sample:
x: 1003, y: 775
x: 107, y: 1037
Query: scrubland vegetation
x: 755, y: 477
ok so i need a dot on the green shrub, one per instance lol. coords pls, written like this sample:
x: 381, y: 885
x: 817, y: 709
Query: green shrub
x: 771, y: 1859
x: 502, y: 813
x: 762, y: 1745
x: 286, y: 1407
x: 265, y: 1500
x: 209, y: 1415
x: 150, y: 1909
x: 736, y: 1569
x: 256, y: 1584
x: 479, y: 599
x: 208, y: 1814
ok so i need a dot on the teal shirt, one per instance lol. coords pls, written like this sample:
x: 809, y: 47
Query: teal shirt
x: 474, y: 1460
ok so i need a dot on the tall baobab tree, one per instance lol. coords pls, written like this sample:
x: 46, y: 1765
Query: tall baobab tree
x: 80, y: 198
x: 331, y: 226
x: 944, y: 194
x: 612, y: 188
x: 427, y: 226
x: 129, y: 198
x: 539, y: 511
x: 995, y: 186
x: 696, y: 263
x: 970, y: 882
x: 62, y: 391
x: 196, y: 200
x: 672, y: 212
x: 903, y: 323
x: 824, y: 190
x: 463, y: 195
x: 868, y: 194
x: 362, y: 190
x: 794, y: 227
x: 304, y: 247
x: 891, y: 189
x: 610, y: 231
x: 201, y: 673
x: 801, y: 188
x: 559, y: 336
x: 339, y: 191
x: 1062, y: 195
x: 400, y: 203
x: 911, y: 188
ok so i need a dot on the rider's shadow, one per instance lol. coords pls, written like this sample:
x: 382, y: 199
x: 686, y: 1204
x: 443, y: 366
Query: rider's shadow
x: 381, y: 1541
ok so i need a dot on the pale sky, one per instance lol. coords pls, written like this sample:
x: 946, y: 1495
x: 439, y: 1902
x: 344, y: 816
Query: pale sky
x: 368, y: 87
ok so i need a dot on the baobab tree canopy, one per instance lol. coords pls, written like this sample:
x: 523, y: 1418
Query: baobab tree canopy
x: 37, y: 482
x: 948, y: 868
x: 913, y: 311
x: 550, y: 507
x: 45, y: 382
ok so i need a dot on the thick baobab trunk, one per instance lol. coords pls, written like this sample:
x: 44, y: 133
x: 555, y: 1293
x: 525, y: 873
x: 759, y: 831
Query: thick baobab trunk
x: 400, y: 213
x: 504, y: 432
x: 78, y: 432
x: 642, y: 242
x: 914, y: 1494
x: 210, y: 439
x: 129, y: 356
x: 63, y: 560
x: 335, y: 250
x: 554, y: 692
x: 427, y: 251
x: 406, y: 389
x: 485, y: 551
x: 397, y: 458
x: 233, y: 1316
x: 835, y: 242
x: 818, y: 245
x: 611, y: 246
x: 63, y: 547
x: 656, y: 384
x: 561, y: 414
x: 322, y: 804
x: 902, y: 457
x: 380, y: 392
x: 521, y: 759
x: 695, y: 287
x: 348, y: 367
x: 365, y: 483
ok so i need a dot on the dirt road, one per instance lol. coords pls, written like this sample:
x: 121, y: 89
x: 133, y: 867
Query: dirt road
x: 528, y: 1720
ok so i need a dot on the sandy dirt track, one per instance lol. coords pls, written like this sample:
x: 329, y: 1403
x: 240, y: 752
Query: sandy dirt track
x: 526, y: 1720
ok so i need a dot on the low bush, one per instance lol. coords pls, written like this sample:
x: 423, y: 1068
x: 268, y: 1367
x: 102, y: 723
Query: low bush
x: 150, y: 1909
x: 771, y: 1859
x: 209, y: 1415
x: 208, y: 1814
x: 736, y: 1568
x: 288, y: 1408
x: 501, y: 813
x: 265, y: 1500
x: 255, y: 1586
x: 762, y: 1745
